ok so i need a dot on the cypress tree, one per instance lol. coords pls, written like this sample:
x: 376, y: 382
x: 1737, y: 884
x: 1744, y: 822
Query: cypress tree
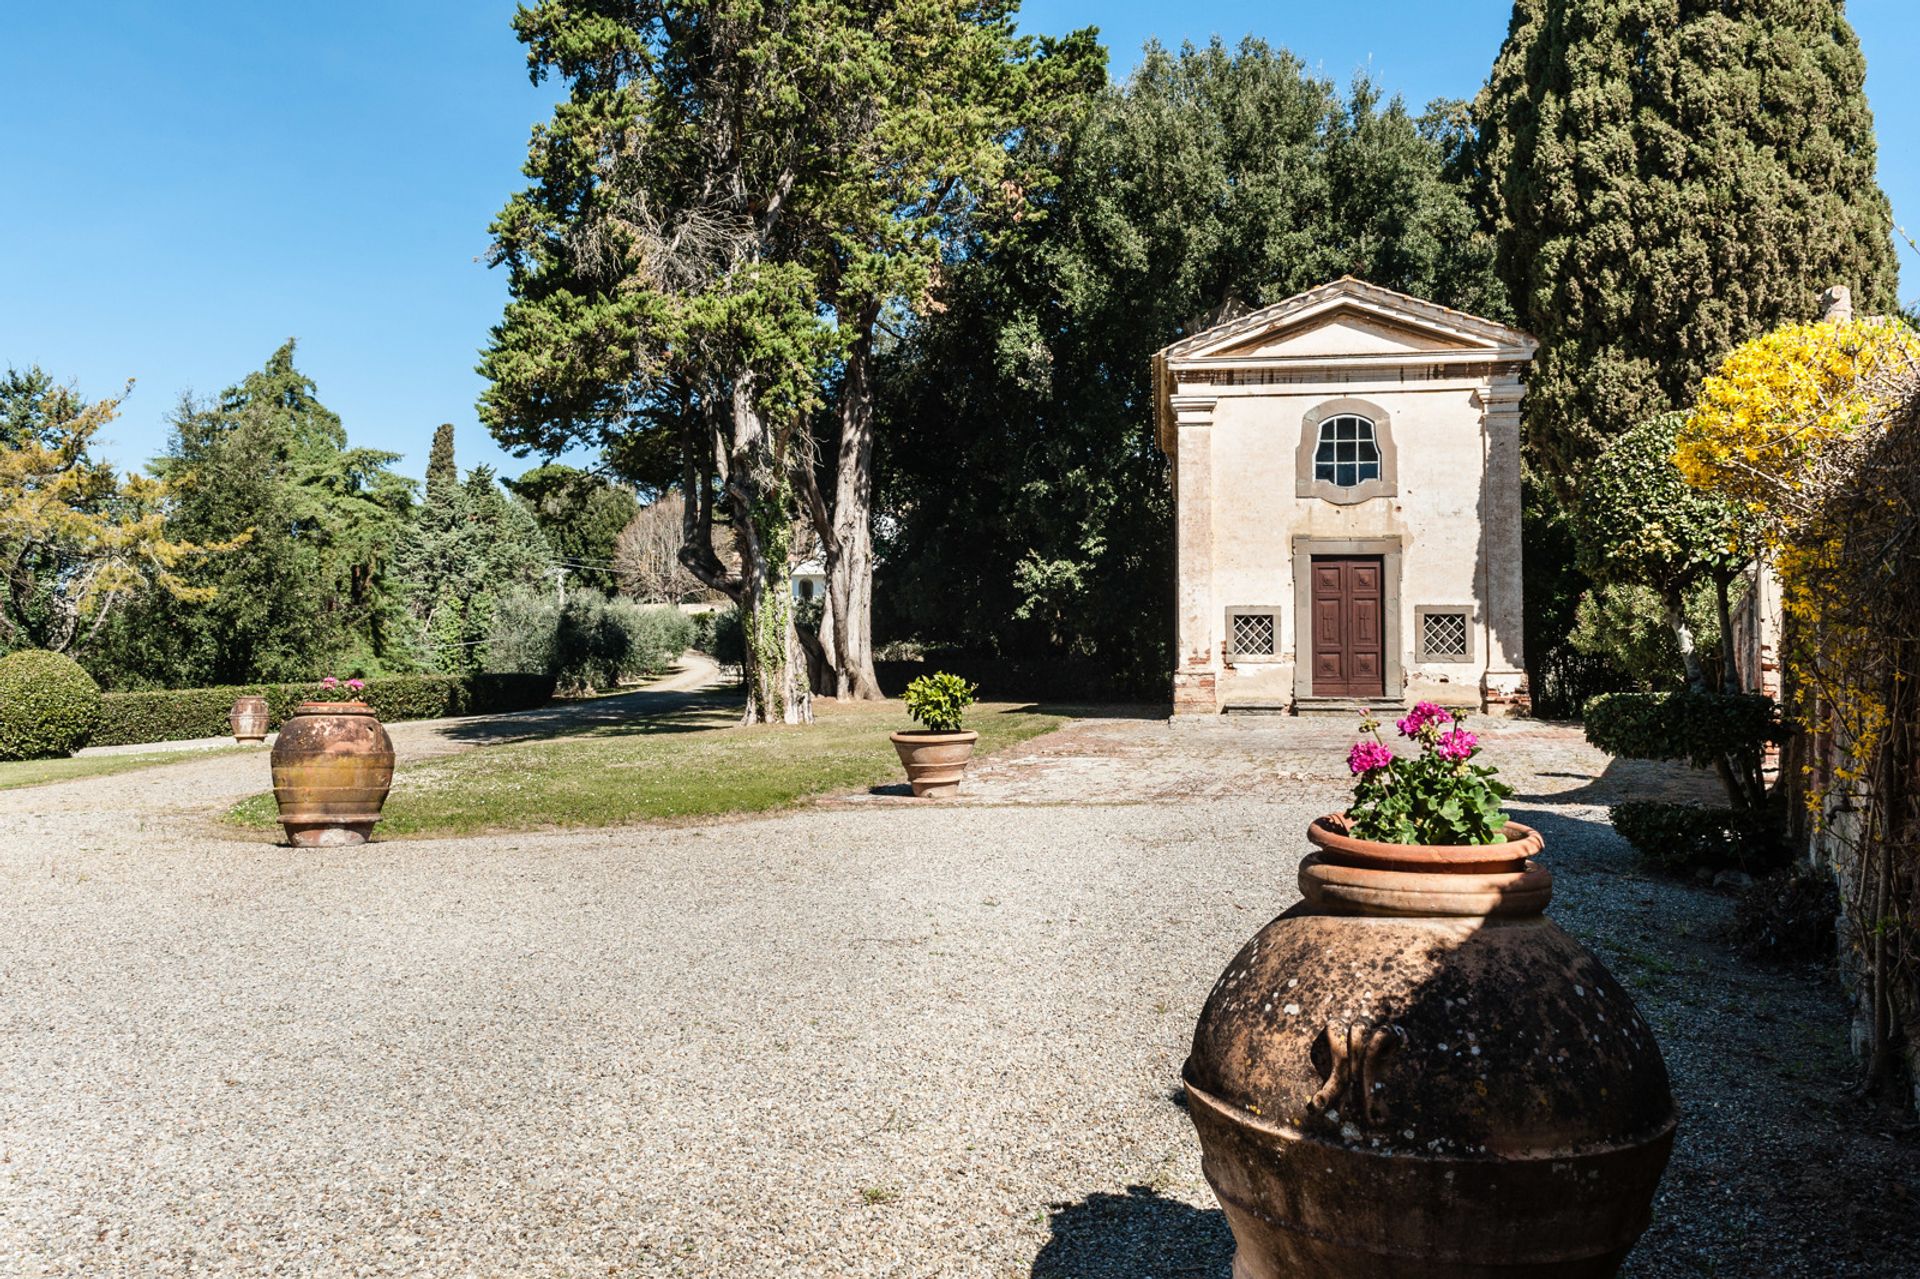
x: 1668, y: 178
x: 441, y: 472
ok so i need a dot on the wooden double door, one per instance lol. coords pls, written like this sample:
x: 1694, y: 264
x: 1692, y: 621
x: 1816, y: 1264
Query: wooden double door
x: 1349, y: 626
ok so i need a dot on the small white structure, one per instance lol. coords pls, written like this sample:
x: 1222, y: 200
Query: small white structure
x: 809, y: 581
x: 1347, y: 491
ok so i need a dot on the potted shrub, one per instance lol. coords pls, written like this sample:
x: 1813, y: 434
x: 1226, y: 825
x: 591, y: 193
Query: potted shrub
x: 1414, y: 1071
x: 936, y: 753
x: 332, y: 767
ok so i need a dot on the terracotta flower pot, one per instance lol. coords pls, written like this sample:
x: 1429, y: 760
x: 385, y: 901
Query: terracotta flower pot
x: 332, y: 769
x: 1415, y: 1072
x: 248, y: 719
x: 935, y: 762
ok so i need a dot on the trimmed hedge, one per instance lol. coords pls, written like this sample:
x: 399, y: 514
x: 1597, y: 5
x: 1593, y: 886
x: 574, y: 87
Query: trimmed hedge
x: 128, y: 719
x: 47, y: 705
x: 1699, y: 728
x: 1681, y: 838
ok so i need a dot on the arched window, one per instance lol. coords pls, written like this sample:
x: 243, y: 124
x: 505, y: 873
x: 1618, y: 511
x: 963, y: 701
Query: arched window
x: 1347, y: 454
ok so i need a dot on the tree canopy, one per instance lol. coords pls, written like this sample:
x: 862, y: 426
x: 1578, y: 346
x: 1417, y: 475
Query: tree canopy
x: 1640, y: 523
x: 77, y: 541
x: 1028, y: 508
x: 1666, y: 181
x: 268, y: 463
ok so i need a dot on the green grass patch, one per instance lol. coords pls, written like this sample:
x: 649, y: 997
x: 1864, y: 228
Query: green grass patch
x: 39, y: 772
x: 683, y: 764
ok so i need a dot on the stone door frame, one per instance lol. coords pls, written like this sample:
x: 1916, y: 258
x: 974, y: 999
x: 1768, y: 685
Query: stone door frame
x: 1389, y: 549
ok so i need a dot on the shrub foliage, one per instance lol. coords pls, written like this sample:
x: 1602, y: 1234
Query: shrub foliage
x: 1788, y: 917
x: 1678, y: 838
x: 178, y: 714
x: 1695, y: 728
x: 939, y: 702
x: 1727, y: 732
x: 48, y: 705
x: 589, y: 641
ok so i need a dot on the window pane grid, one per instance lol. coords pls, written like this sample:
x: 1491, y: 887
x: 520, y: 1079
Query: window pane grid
x: 1347, y: 453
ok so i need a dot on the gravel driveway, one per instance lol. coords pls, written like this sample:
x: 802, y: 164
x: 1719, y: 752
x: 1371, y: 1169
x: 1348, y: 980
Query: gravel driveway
x: 874, y: 1037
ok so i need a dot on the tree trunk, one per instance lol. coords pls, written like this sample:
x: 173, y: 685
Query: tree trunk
x: 1729, y: 665
x: 759, y: 493
x: 1683, y: 634
x: 849, y: 548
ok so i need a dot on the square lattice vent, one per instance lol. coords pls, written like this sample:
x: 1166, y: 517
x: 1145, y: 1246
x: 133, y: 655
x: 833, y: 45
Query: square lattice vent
x: 1253, y: 634
x: 1443, y: 636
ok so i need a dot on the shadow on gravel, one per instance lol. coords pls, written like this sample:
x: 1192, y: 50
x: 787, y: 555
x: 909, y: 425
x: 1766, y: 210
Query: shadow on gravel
x: 627, y: 714
x: 1576, y: 844
x: 1138, y: 1235
x: 1625, y: 779
x: 1098, y: 710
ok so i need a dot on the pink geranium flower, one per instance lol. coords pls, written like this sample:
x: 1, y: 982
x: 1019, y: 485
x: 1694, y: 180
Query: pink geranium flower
x: 1368, y: 757
x: 1422, y: 715
x: 356, y: 684
x: 1457, y: 746
x: 329, y: 682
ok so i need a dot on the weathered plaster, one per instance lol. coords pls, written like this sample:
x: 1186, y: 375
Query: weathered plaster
x: 1233, y: 407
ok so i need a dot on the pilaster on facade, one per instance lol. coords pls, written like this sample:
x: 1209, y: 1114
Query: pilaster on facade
x: 1196, y: 650
x: 1500, y: 528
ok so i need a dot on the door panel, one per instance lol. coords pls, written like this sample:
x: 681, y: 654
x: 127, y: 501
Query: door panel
x: 1349, y: 628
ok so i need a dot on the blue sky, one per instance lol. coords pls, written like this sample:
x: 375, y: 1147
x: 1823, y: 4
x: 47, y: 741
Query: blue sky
x: 192, y: 183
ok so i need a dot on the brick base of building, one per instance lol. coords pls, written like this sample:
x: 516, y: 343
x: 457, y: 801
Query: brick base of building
x: 1196, y: 693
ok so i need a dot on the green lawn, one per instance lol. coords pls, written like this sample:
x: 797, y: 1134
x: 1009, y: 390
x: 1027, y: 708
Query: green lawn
x: 683, y: 764
x: 38, y: 772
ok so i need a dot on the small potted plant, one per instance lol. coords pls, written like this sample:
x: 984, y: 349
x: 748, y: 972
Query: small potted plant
x: 332, y: 767
x: 936, y: 754
x: 1405, y: 1072
x: 1437, y: 796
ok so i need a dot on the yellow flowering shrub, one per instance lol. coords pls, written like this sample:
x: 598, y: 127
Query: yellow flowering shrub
x: 1763, y: 420
x: 1800, y: 427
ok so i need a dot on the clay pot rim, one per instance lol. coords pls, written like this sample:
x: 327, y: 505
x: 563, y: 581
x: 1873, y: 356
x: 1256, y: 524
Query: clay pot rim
x: 1329, y: 833
x: 928, y: 737
x: 1508, y: 892
x: 333, y: 708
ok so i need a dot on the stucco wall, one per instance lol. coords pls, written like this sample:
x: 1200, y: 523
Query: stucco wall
x: 1250, y: 518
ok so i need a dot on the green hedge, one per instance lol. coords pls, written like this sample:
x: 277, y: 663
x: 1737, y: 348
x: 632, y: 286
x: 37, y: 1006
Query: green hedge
x: 47, y: 705
x: 128, y: 719
x: 1699, y: 728
x: 1680, y: 838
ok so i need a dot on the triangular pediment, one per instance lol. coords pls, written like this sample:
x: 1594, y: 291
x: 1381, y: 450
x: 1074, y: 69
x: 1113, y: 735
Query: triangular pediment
x: 1347, y: 319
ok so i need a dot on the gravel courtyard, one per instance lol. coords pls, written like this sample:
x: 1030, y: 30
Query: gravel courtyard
x: 873, y: 1037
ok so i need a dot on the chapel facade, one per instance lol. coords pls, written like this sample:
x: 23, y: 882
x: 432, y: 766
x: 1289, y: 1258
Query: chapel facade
x: 1346, y: 472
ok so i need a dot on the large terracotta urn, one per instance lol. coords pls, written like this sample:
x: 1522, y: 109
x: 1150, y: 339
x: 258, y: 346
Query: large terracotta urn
x: 1415, y: 1072
x: 332, y: 769
x: 935, y: 762
x: 249, y: 719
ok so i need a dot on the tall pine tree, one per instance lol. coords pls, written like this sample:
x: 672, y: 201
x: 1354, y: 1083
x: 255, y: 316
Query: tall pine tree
x: 1668, y: 178
x: 308, y: 591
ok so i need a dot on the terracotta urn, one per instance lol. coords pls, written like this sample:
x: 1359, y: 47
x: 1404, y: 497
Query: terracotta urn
x: 935, y: 762
x: 248, y: 719
x: 1415, y: 1072
x: 332, y: 769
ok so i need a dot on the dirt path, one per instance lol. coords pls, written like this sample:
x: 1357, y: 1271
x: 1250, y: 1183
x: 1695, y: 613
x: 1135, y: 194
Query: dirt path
x: 873, y: 1037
